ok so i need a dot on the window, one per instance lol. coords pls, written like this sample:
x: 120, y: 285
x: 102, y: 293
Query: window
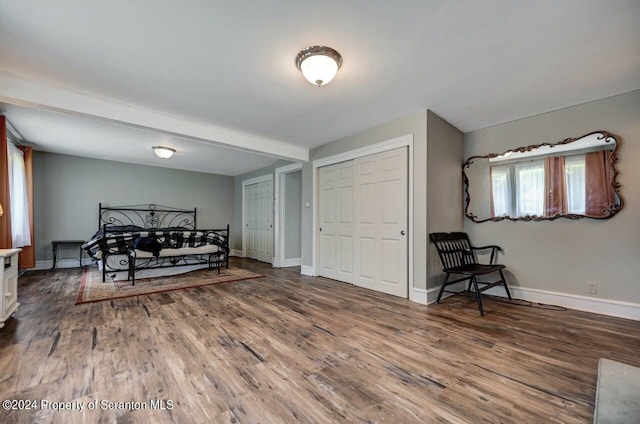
x: 20, y: 230
x: 530, y: 188
x: 501, y: 190
x: 575, y: 182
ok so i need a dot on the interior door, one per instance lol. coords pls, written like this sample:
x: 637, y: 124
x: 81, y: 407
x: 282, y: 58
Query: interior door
x: 336, y: 221
x: 258, y: 212
x: 381, y: 222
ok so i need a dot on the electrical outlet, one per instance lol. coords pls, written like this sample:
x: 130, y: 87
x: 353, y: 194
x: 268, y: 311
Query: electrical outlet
x: 593, y: 288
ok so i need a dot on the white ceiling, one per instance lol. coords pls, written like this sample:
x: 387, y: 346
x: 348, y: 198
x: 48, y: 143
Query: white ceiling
x: 79, y: 136
x: 223, y: 73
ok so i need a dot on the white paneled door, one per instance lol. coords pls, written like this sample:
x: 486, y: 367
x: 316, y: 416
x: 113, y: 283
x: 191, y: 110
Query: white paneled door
x: 258, y: 220
x: 381, y: 222
x: 363, y: 222
x: 336, y: 221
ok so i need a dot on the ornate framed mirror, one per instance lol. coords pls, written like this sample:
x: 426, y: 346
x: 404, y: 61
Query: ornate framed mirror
x: 573, y: 178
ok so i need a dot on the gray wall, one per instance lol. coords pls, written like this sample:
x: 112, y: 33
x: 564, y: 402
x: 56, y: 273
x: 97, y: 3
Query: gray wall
x: 565, y: 255
x: 416, y: 124
x: 67, y: 190
x: 445, y: 151
x: 292, y: 213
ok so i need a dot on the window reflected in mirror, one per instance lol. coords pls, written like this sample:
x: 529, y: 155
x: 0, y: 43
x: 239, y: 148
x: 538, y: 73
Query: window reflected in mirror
x: 573, y: 178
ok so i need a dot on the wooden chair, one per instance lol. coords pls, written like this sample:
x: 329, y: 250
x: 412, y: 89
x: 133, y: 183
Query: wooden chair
x: 458, y: 257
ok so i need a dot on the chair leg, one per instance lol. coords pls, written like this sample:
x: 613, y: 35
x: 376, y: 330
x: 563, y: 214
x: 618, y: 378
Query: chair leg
x: 444, y: 284
x: 130, y: 273
x: 478, y: 299
x: 504, y: 280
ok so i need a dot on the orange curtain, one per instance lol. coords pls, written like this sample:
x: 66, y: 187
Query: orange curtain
x: 27, y: 258
x: 555, y: 198
x: 599, y: 195
x: 5, y: 219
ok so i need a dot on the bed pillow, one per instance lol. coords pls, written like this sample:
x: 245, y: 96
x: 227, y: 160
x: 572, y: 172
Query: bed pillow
x: 148, y: 244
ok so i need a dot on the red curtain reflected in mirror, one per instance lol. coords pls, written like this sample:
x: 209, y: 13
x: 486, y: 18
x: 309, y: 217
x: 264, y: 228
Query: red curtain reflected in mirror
x: 555, y: 198
x: 599, y: 196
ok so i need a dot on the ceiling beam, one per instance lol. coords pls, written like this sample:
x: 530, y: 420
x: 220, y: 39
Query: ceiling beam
x: 21, y: 92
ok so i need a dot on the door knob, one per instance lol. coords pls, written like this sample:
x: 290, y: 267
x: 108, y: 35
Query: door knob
x: 320, y: 228
x: 402, y: 232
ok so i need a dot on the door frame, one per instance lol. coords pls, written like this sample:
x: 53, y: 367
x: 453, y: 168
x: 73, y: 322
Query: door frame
x: 245, y: 183
x: 279, y: 217
x: 394, y: 143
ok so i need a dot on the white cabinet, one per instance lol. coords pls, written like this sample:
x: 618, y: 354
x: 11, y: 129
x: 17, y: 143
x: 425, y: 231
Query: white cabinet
x: 8, y: 283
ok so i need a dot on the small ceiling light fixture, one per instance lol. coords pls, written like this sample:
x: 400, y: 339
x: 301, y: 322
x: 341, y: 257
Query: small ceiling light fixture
x: 319, y: 64
x: 163, y: 152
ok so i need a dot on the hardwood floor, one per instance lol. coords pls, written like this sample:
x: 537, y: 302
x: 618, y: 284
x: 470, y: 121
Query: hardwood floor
x: 287, y: 348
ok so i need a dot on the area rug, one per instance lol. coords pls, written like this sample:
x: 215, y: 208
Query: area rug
x: 617, y: 394
x: 156, y: 272
x: 92, y: 289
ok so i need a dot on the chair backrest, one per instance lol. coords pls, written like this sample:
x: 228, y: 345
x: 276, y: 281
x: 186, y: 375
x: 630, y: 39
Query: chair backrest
x: 454, y: 249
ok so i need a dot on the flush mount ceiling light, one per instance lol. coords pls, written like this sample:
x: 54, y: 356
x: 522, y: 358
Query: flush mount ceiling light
x: 163, y: 152
x: 319, y: 64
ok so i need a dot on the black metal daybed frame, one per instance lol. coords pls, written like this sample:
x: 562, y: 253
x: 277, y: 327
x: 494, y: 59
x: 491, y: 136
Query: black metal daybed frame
x: 154, y: 218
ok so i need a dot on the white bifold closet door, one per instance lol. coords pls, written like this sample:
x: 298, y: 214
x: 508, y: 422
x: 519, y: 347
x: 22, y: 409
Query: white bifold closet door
x: 336, y: 221
x: 258, y: 220
x: 363, y: 209
x: 381, y: 222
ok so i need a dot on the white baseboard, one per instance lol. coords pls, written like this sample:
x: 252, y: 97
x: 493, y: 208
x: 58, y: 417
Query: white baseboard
x: 307, y: 270
x: 432, y: 293
x: 234, y: 252
x: 62, y: 263
x: 291, y: 262
x: 614, y: 308
x: 418, y: 295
